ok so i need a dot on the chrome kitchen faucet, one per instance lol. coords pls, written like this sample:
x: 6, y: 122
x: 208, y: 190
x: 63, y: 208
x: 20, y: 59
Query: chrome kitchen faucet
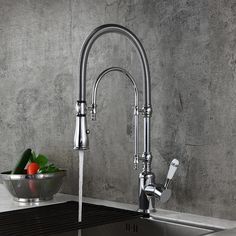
x: 148, y: 189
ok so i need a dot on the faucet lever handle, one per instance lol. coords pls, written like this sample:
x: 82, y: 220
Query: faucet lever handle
x: 172, y: 169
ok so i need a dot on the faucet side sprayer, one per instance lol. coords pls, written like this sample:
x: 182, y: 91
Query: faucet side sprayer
x: 93, y: 108
x: 148, y: 189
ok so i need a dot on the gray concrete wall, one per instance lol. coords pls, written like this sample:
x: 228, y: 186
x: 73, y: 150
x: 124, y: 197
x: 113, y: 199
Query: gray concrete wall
x: 191, y: 47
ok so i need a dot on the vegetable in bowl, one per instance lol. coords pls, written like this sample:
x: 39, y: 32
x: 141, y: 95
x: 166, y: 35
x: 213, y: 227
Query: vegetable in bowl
x: 33, y: 179
x: 43, y: 164
x: 37, y: 164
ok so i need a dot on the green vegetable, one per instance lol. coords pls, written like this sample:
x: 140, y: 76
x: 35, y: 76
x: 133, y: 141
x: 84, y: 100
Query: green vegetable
x: 19, y: 168
x: 30, y: 156
x: 48, y: 169
x: 42, y: 161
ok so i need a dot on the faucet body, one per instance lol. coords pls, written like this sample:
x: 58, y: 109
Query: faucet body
x: 147, y: 187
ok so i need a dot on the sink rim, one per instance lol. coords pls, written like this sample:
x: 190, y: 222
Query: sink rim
x: 165, y: 226
x: 185, y: 223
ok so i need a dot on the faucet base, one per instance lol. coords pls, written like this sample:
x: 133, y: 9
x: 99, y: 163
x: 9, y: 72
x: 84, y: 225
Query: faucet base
x: 145, y: 212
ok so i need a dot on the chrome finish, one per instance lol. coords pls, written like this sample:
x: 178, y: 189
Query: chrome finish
x: 148, y: 189
x: 33, y: 188
x: 146, y: 178
x: 81, y: 131
x: 112, y: 28
x: 105, y: 72
x: 162, y: 194
x: 147, y: 111
x: 136, y: 136
x: 93, y: 111
x: 93, y: 108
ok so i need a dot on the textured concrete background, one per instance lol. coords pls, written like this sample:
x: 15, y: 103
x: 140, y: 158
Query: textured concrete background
x: 191, y: 47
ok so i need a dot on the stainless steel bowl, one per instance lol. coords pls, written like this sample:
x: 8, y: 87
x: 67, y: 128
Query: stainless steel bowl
x: 33, y: 188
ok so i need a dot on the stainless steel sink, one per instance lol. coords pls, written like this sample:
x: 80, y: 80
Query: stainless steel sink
x: 61, y: 220
x: 143, y: 227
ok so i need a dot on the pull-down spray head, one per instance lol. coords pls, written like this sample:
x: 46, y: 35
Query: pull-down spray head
x: 81, y: 131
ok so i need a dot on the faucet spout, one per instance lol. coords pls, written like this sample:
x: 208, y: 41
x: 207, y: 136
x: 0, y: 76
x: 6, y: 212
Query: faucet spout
x: 113, y: 28
x: 148, y: 190
x: 98, y: 32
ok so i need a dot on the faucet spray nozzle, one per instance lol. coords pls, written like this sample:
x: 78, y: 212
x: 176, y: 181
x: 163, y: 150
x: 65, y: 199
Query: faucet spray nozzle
x: 81, y: 131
